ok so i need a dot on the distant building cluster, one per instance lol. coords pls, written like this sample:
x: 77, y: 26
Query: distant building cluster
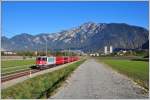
x: 122, y: 52
x: 9, y: 53
x: 106, y: 51
x: 94, y: 54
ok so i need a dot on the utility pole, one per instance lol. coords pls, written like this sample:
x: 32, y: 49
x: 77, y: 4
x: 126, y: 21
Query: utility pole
x: 69, y: 52
x: 46, y: 47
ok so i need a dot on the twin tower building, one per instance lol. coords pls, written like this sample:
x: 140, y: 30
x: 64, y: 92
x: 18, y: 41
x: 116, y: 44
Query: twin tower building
x: 106, y: 50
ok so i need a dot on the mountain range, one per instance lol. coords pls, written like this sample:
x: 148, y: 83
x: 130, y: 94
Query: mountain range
x: 87, y: 37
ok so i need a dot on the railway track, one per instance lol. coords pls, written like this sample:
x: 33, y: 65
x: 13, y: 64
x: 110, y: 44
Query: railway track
x: 13, y: 72
x: 17, y: 75
x: 22, y: 73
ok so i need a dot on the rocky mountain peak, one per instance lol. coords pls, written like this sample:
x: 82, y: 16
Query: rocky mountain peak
x: 88, y: 36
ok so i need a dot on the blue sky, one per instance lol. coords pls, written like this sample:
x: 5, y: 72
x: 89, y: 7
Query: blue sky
x: 50, y: 17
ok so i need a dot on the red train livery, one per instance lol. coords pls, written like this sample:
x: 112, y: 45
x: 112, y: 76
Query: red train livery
x: 44, y: 61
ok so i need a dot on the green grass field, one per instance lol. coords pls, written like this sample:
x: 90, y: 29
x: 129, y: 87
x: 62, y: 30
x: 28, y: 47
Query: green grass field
x: 14, y: 65
x: 137, y: 70
x: 40, y: 86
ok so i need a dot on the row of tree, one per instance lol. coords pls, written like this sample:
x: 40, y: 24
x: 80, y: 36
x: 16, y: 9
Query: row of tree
x: 39, y: 53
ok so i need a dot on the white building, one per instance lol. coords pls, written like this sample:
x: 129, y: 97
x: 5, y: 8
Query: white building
x: 105, y: 50
x: 97, y: 54
x: 111, y: 49
x: 108, y: 52
x: 94, y: 54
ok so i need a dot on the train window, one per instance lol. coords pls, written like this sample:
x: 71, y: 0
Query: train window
x: 44, y: 59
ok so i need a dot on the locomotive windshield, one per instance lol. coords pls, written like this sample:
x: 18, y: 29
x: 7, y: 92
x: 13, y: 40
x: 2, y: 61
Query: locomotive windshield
x: 44, y: 59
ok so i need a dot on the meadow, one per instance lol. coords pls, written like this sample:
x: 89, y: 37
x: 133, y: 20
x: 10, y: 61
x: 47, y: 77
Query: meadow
x: 10, y: 66
x: 136, y: 70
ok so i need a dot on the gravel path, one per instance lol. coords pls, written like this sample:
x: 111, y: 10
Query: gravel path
x: 93, y: 80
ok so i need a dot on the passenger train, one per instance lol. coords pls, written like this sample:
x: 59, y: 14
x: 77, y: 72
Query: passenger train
x: 51, y: 61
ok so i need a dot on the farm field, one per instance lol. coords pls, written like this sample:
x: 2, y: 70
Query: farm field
x: 137, y: 70
x: 11, y: 66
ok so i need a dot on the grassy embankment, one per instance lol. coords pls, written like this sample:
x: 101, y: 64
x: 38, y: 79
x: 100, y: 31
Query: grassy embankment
x: 14, y: 65
x: 137, y: 70
x: 41, y: 86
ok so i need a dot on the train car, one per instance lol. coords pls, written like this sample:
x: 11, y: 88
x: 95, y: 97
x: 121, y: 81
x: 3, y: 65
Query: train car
x: 77, y: 58
x: 44, y: 61
x: 59, y: 60
x: 71, y: 59
x: 66, y: 59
